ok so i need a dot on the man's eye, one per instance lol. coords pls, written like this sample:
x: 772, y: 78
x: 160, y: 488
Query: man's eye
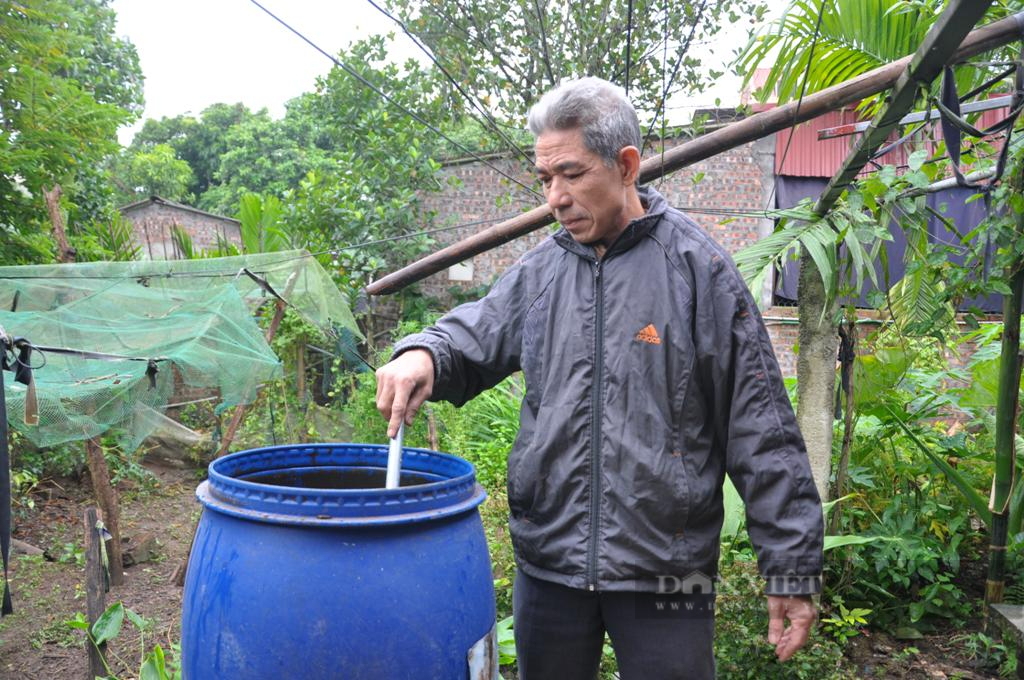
x: 545, y: 180
x: 574, y: 176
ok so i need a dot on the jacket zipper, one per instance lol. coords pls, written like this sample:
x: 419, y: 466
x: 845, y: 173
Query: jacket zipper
x: 595, y: 426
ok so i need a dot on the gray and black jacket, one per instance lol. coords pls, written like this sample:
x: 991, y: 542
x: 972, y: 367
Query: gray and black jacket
x: 649, y: 375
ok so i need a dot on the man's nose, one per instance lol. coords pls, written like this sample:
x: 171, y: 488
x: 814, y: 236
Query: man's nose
x: 558, y: 195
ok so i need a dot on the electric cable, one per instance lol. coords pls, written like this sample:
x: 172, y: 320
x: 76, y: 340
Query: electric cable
x: 675, y: 71
x: 448, y: 76
x: 629, y: 42
x: 419, y: 119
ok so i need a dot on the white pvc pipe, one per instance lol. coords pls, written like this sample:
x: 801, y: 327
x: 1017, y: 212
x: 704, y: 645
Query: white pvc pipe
x: 395, y: 459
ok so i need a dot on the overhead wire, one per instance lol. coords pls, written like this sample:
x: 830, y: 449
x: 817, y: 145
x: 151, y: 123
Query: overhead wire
x: 492, y: 123
x: 386, y: 97
x: 544, y: 43
x: 629, y: 42
x: 664, y: 91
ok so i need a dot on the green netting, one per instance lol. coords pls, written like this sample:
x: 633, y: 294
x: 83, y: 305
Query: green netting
x: 193, y: 315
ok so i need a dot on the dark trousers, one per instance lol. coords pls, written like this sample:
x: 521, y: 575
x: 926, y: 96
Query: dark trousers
x: 560, y: 632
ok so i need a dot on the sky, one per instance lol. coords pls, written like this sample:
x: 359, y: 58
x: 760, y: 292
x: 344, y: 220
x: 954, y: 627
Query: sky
x: 195, y: 53
x: 199, y: 52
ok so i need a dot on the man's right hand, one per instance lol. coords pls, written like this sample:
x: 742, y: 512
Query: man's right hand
x: 403, y: 384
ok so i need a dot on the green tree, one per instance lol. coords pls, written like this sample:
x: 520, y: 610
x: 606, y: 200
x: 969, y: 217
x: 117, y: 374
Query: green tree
x: 380, y: 163
x: 262, y: 156
x: 855, y: 36
x: 68, y: 84
x: 506, y: 53
x: 156, y: 171
x: 200, y: 142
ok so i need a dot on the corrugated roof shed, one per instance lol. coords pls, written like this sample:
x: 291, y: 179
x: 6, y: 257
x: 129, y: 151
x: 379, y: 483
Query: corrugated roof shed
x: 809, y: 157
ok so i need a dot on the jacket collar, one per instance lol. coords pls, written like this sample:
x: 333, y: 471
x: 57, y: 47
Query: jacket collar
x: 655, y: 206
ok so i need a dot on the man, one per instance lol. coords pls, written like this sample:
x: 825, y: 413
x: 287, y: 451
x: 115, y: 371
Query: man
x: 649, y: 375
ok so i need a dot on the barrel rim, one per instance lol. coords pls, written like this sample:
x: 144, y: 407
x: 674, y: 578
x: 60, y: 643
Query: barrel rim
x: 225, y: 492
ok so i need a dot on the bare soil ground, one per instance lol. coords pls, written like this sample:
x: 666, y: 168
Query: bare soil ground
x: 35, y: 642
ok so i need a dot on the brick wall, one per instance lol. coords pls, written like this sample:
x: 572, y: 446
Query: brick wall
x: 738, y: 180
x: 152, y: 223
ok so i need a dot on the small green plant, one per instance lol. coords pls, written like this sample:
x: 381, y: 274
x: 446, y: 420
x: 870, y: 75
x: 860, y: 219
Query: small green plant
x: 741, y: 629
x: 55, y: 632
x: 984, y: 651
x: 23, y: 483
x: 72, y: 552
x: 506, y: 642
x: 845, y: 623
x: 154, y: 665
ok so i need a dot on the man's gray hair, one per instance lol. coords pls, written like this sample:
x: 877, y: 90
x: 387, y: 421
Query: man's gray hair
x: 599, y: 109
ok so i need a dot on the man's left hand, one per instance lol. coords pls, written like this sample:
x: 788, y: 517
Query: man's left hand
x: 802, y: 614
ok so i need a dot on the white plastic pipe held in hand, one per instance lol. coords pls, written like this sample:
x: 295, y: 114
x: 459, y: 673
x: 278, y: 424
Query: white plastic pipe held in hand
x: 395, y: 459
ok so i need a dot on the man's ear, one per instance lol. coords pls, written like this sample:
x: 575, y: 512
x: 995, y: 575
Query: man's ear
x: 629, y: 164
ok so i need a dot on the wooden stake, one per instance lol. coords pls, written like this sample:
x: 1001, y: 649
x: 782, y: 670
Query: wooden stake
x: 300, y: 372
x: 106, y: 496
x: 432, y: 429
x: 239, y: 414
x: 95, y: 591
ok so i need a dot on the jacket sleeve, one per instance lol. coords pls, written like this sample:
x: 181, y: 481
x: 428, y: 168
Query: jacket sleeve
x: 477, y: 344
x: 765, y: 455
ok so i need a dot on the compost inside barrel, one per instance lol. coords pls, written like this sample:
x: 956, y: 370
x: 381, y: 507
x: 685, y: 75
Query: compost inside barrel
x: 336, y: 478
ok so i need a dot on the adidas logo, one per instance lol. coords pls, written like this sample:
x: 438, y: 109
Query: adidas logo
x: 649, y: 334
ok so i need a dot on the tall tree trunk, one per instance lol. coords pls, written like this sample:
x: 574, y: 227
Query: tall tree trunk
x: 816, y: 372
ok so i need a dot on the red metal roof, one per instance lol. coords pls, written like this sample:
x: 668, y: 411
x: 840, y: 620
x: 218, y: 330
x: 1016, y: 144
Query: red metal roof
x: 809, y: 157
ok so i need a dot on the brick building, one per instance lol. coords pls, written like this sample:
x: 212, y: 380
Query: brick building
x: 154, y: 218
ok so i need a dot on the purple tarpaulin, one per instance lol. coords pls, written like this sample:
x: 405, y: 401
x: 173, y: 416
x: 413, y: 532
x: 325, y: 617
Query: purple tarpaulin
x: 966, y: 216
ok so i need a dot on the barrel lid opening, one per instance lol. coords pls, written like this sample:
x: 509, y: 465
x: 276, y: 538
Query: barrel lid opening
x: 292, y: 484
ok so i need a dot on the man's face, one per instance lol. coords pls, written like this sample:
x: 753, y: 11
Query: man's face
x: 586, y: 196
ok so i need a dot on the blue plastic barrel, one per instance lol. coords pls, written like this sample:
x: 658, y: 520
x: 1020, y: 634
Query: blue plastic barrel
x: 304, y: 566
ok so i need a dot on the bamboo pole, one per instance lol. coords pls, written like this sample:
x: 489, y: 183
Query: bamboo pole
x: 1007, y: 406
x: 755, y: 127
